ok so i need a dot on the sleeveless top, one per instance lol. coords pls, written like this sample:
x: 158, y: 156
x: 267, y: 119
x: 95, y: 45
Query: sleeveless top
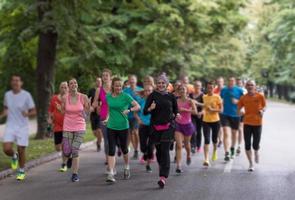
x: 185, y: 117
x: 104, y: 104
x: 74, y: 118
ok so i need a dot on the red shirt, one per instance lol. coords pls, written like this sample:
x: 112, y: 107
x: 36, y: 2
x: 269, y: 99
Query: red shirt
x: 58, y: 117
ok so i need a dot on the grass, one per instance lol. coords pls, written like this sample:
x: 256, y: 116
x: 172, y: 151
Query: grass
x: 38, y: 149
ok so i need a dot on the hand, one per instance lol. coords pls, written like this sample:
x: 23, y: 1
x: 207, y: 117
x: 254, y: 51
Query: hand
x: 95, y: 104
x: 153, y: 106
x: 104, y: 122
x: 49, y: 120
x: 178, y: 116
x: 234, y: 100
x: 199, y: 114
x: 25, y: 113
x: 139, y: 121
x: 125, y: 112
x: 91, y: 109
x: 261, y: 112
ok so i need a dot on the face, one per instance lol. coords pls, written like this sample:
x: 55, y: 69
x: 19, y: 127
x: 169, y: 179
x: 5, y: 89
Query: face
x: 98, y: 82
x: 251, y: 87
x: 106, y: 77
x: 177, y: 85
x: 161, y: 85
x: 232, y: 82
x: 63, y: 88
x: 185, y: 80
x: 182, y: 90
x: 73, y: 85
x: 198, y: 86
x: 148, y: 81
x: 220, y: 82
x: 148, y: 90
x: 210, y: 88
x: 240, y: 83
x: 117, y: 87
x: 132, y: 81
x: 16, y: 83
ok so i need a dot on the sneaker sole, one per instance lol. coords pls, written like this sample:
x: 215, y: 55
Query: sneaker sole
x: 161, y: 184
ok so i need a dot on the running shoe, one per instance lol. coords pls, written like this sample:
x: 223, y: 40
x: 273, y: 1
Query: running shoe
x: 251, y: 169
x: 178, y: 171
x: 206, y: 163
x: 20, y: 176
x: 69, y: 163
x: 238, y: 150
x: 135, y: 155
x: 75, y: 178
x: 148, y: 169
x: 14, y: 162
x: 142, y: 161
x: 126, y: 173
x: 214, y: 156
x: 199, y: 150
x: 193, y: 150
x: 188, y: 160
x: 162, y: 182
x: 110, y: 178
x: 63, y: 168
x: 227, y: 158
x: 232, y: 153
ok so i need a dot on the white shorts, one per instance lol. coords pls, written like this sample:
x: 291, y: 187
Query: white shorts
x: 19, y: 136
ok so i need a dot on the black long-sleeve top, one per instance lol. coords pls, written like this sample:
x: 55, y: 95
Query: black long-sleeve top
x: 166, y: 108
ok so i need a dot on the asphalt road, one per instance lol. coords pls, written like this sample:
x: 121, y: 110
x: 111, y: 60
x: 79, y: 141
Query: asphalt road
x: 273, y: 179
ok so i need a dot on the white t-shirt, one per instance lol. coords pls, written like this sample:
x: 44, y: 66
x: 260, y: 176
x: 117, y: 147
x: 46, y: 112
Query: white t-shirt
x: 16, y: 104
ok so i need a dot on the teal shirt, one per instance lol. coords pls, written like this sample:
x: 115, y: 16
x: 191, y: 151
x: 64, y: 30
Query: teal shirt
x: 117, y: 120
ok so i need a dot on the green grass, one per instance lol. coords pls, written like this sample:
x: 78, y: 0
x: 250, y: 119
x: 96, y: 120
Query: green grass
x: 38, y: 148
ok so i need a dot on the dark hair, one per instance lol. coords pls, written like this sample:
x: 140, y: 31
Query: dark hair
x: 16, y: 75
x: 210, y: 83
x: 115, y: 79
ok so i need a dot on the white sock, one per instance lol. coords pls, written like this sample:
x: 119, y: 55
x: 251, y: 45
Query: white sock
x: 14, y: 156
x: 21, y: 170
x: 127, y: 166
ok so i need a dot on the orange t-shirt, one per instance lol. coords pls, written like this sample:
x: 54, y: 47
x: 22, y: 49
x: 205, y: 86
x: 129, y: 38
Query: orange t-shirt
x: 217, y: 90
x: 58, y: 117
x: 252, y: 104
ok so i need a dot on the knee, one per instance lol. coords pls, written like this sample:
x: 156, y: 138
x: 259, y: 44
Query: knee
x: 75, y: 154
x: 179, y: 146
x: 125, y: 150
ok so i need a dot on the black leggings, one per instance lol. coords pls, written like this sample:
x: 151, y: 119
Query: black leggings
x: 207, y: 127
x: 113, y: 137
x: 196, y: 139
x: 249, y: 132
x: 146, y: 145
x: 163, y: 158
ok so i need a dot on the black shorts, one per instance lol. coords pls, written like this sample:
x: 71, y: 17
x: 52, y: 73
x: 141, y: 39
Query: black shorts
x: 58, y: 137
x: 232, y: 122
x: 242, y: 119
x: 95, y: 121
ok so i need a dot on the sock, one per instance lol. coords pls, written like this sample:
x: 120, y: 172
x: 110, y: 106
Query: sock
x: 127, y: 166
x: 14, y: 156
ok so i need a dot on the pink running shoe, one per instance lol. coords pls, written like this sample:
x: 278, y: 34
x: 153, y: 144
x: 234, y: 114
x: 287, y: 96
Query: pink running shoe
x: 162, y: 182
x: 141, y: 160
x: 199, y: 150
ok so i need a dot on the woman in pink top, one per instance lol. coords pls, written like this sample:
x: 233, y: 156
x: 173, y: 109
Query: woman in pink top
x: 184, y: 126
x: 75, y: 105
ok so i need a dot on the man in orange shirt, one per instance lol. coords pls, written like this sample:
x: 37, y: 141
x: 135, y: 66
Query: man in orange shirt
x: 254, y: 105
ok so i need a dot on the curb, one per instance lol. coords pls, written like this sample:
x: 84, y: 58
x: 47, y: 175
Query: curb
x: 45, y: 159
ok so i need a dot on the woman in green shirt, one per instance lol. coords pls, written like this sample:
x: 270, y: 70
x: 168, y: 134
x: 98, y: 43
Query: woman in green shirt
x: 117, y: 125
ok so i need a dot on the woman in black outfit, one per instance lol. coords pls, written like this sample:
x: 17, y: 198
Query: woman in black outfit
x: 163, y: 109
x: 196, y: 139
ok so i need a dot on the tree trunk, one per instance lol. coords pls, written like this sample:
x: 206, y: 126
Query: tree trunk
x: 45, y: 71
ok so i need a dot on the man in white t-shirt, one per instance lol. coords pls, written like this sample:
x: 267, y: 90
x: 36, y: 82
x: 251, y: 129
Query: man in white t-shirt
x: 18, y: 107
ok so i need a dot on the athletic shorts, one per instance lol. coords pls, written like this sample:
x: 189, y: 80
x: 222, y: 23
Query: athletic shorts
x: 185, y: 129
x: 242, y: 119
x: 132, y: 124
x: 58, y: 137
x: 20, y: 136
x: 95, y: 121
x: 232, y: 122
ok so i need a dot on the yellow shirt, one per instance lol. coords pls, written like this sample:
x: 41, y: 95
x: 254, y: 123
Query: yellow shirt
x: 213, y: 101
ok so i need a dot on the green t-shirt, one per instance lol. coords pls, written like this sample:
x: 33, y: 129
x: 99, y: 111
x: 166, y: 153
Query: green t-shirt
x: 117, y: 120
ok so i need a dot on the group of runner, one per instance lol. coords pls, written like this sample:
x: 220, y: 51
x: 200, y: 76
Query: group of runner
x: 151, y: 118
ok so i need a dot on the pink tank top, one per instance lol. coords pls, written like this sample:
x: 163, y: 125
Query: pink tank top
x: 74, y: 119
x: 185, y: 117
x: 104, y: 105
